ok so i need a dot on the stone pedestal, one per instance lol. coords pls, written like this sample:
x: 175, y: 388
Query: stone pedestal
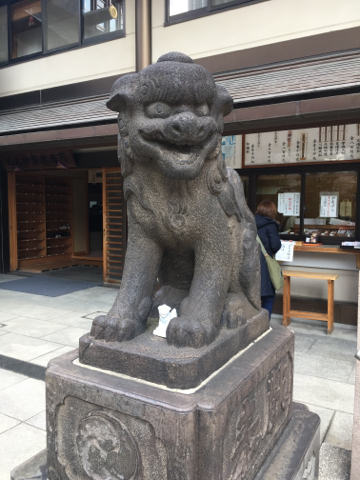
x: 106, y: 425
x: 149, y: 357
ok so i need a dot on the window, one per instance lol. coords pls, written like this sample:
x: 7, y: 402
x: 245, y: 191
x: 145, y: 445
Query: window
x: 101, y: 16
x: 285, y: 191
x: 33, y: 27
x: 3, y: 35
x: 330, y: 204
x: 178, y: 10
x: 26, y: 28
x: 62, y: 26
x: 316, y: 200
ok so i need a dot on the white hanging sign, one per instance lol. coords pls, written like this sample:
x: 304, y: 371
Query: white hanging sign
x: 329, y: 204
x: 231, y: 147
x: 286, y: 252
x: 289, y: 204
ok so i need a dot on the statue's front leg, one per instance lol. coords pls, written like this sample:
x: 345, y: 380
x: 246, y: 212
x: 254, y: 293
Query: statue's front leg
x: 200, y: 312
x: 127, y: 318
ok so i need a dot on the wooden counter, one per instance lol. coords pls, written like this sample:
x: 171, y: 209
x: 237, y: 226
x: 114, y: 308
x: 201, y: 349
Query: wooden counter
x: 299, y: 247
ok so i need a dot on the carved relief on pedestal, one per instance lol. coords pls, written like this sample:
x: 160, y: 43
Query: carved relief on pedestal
x: 106, y: 448
x: 279, y: 387
x: 256, y: 421
x: 96, y: 443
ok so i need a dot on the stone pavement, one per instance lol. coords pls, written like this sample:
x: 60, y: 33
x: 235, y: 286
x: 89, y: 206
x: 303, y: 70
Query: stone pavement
x: 36, y: 328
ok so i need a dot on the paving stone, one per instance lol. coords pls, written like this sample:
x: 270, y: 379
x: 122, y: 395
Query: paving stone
x: 20, y: 443
x: 326, y: 415
x: 323, y: 367
x: 5, y: 316
x: 43, y: 360
x: 351, y: 378
x: 31, y: 326
x: 340, y: 431
x: 69, y: 336
x: 323, y: 393
x: 8, y: 378
x: 24, y: 400
x: 335, y: 348
x: 75, y: 319
x: 303, y: 343
x: 23, y: 347
x: 38, y: 421
x: 6, y: 423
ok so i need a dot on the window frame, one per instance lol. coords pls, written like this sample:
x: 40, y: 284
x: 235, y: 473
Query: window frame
x: 205, y: 11
x: 44, y: 52
x: 253, y: 173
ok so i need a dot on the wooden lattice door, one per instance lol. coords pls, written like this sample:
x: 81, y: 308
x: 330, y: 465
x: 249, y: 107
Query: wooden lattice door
x: 114, y: 225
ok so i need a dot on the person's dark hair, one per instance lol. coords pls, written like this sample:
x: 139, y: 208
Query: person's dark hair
x: 267, y: 209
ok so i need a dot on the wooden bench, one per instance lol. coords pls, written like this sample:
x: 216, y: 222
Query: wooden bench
x: 324, y: 317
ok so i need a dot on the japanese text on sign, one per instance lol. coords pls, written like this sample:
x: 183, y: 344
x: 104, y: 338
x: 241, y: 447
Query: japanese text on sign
x: 286, y: 252
x: 328, y: 205
x: 289, y: 204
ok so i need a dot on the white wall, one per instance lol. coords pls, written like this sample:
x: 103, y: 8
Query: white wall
x: 251, y: 26
x: 346, y: 286
x: 86, y: 63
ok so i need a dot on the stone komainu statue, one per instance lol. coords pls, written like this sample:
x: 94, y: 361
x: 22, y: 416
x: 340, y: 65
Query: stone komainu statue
x: 189, y: 225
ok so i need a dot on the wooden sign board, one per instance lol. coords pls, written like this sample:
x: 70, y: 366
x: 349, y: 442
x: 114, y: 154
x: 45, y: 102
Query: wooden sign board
x: 40, y: 160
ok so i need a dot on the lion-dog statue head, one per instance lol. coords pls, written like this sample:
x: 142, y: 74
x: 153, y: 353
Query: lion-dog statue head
x: 189, y: 225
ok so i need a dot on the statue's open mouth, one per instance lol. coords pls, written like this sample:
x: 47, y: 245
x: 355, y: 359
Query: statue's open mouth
x: 186, y: 153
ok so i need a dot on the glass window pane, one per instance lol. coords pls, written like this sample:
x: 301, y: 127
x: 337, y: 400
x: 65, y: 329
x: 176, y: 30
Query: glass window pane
x: 330, y: 204
x: 101, y: 17
x: 62, y: 23
x: 26, y: 28
x: 3, y: 35
x: 215, y: 3
x: 284, y: 191
x: 182, y: 6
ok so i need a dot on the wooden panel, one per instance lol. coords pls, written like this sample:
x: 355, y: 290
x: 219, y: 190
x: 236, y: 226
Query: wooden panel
x: 311, y: 315
x: 12, y: 221
x: 40, y: 213
x: 30, y: 215
x: 114, y: 225
x: 59, y: 225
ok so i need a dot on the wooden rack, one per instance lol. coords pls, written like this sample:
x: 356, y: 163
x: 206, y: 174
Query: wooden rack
x: 40, y: 211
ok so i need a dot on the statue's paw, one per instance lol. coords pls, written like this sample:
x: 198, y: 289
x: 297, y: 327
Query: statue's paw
x: 232, y: 319
x: 187, y: 332
x: 236, y: 311
x: 115, y: 329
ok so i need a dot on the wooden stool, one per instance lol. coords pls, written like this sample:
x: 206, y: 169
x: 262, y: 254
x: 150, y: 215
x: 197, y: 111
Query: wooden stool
x: 324, y: 317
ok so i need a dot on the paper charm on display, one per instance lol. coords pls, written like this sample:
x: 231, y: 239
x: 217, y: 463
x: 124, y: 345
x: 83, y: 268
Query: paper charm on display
x: 165, y: 315
x: 286, y: 252
x: 289, y: 204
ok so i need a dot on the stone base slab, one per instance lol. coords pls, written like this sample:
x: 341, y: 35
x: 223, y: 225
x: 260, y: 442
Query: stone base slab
x: 150, y: 358
x: 105, y: 425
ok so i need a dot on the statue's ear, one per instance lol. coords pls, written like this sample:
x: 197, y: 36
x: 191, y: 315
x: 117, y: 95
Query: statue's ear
x: 225, y: 101
x: 122, y: 90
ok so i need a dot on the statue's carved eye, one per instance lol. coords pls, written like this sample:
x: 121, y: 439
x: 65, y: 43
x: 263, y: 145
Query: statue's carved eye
x: 202, y: 110
x: 158, y: 110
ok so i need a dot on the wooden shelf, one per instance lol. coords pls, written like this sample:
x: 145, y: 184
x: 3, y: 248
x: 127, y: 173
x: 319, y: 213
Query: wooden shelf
x: 45, y: 199
x: 30, y: 240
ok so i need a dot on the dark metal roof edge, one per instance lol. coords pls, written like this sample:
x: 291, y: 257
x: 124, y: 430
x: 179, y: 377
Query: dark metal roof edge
x: 285, y: 64
x: 297, y: 93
